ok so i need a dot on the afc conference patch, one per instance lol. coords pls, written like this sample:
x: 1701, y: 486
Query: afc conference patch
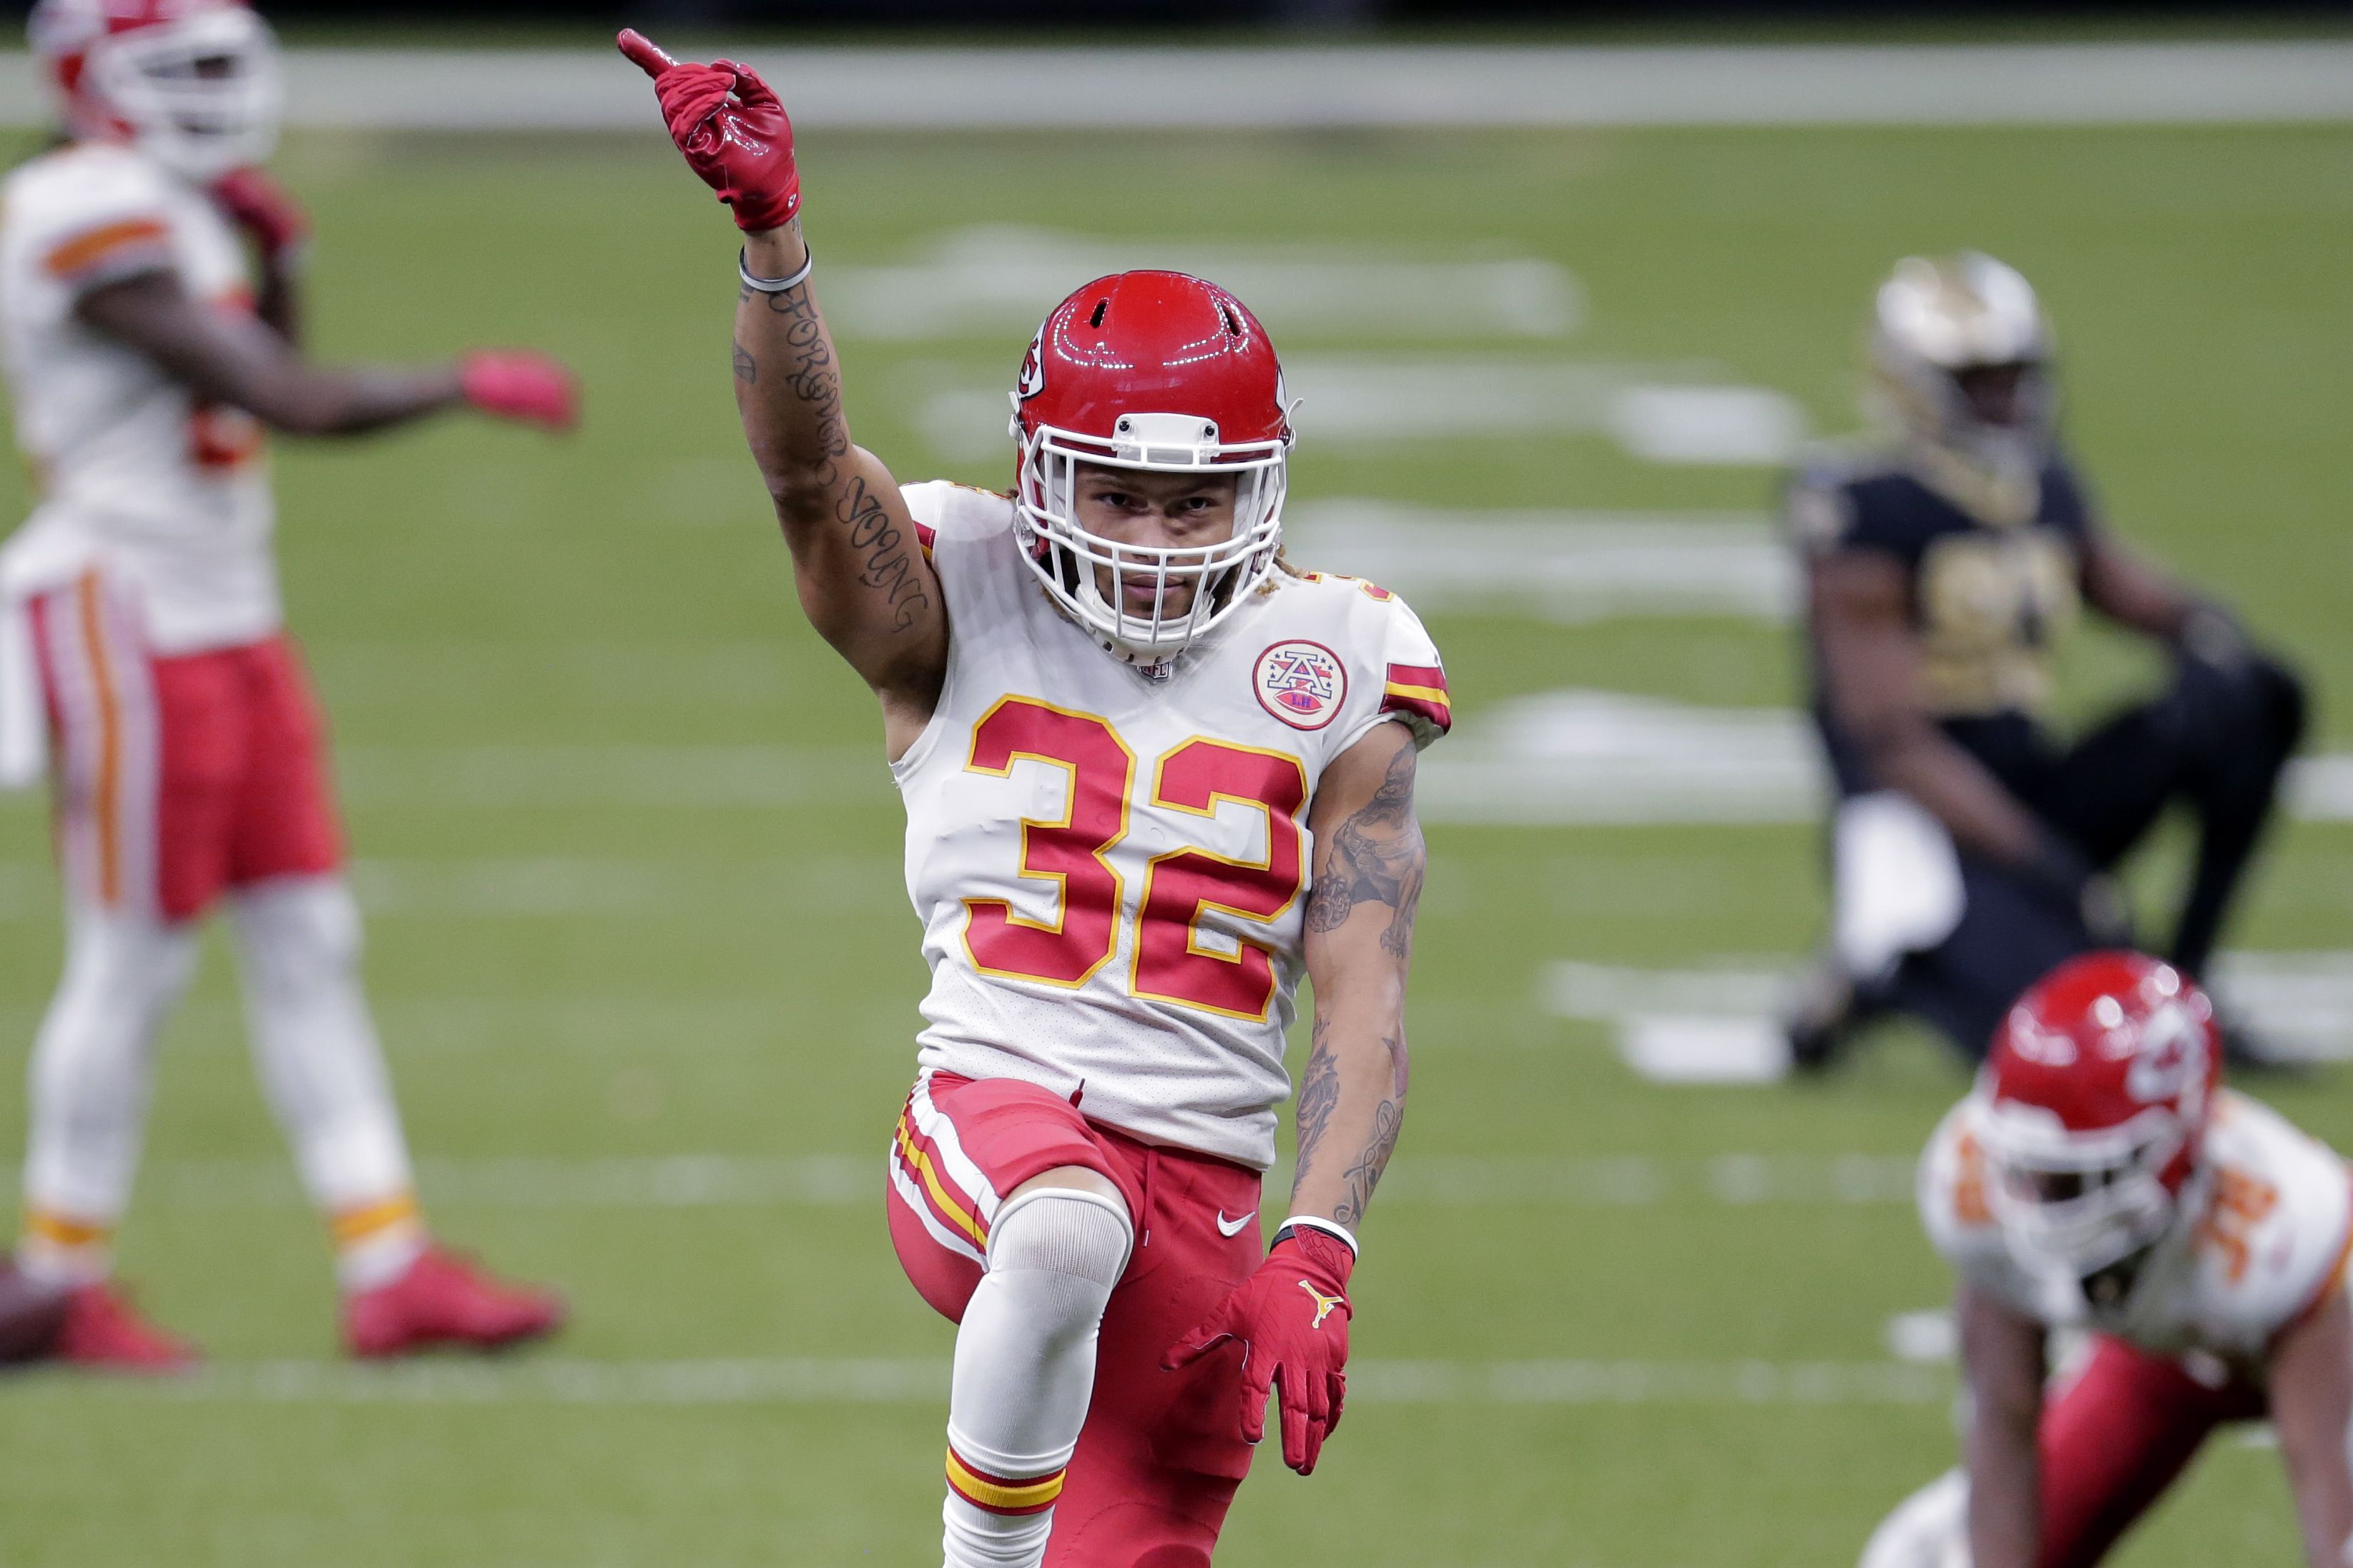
x: 1301, y: 683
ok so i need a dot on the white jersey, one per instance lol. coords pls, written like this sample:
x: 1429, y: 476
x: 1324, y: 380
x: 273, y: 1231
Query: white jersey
x: 2269, y: 1234
x: 1112, y: 871
x: 168, y: 496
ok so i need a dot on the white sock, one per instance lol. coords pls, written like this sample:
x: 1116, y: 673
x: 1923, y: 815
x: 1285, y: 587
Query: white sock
x: 316, y: 1050
x: 1025, y: 1370
x: 92, y: 1066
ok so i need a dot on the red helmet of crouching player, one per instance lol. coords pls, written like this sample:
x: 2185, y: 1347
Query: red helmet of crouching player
x: 2099, y: 1085
x: 1106, y: 363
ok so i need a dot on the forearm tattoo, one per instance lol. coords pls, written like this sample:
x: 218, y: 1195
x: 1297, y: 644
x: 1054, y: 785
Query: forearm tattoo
x: 1319, y: 1096
x: 1388, y: 1120
x: 1319, y: 1091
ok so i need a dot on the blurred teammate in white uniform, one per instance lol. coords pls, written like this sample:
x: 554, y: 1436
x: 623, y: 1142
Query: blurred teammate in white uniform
x: 2099, y: 1179
x: 140, y: 631
x: 1152, y: 776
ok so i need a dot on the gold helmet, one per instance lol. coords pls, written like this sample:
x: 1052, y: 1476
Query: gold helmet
x: 1960, y: 354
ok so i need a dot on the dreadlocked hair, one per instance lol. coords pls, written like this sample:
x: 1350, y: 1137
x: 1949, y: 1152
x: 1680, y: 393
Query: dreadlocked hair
x: 1283, y: 565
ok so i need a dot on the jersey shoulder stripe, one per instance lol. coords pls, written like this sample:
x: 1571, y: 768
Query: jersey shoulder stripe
x: 1419, y: 690
x: 105, y: 249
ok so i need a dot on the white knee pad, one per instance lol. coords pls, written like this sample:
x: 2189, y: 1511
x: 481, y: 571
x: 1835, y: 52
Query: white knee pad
x: 291, y: 931
x: 313, y: 1042
x: 1930, y: 1528
x: 1084, y: 1236
x: 94, y: 1059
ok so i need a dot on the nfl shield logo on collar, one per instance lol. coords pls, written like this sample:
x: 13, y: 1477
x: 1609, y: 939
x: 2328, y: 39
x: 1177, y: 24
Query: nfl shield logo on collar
x: 1300, y: 683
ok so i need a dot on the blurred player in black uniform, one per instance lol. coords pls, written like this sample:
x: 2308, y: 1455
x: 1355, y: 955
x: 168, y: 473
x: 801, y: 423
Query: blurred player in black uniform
x: 1972, y: 848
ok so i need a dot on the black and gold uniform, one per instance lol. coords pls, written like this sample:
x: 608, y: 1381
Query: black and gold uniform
x: 1995, y: 576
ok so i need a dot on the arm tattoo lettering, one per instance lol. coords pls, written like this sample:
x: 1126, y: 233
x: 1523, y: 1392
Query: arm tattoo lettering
x: 1377, y: 858
x: 888, y: 564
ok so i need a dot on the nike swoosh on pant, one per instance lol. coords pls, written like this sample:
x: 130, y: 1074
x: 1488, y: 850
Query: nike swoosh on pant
x: 1233, y: 1227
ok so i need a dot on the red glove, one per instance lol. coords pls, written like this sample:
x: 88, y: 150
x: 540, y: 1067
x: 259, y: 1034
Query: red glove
x: 516, y: 384
x: 732, y: 130
x: 1291, y: 1317
x: 264, y: 209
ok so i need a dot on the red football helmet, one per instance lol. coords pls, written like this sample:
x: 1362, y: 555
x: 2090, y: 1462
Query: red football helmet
x: 193, y: 83
x: 1163, y: 371
x: 2098, y: 1093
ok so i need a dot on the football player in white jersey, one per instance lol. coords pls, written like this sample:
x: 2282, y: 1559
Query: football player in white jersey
x: 2099, y: 1179
x: 140, y: 627
x: 1152, y: 776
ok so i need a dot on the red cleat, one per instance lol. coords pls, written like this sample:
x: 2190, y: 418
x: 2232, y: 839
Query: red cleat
x: 444, y: 1300
x: 104, y: 1330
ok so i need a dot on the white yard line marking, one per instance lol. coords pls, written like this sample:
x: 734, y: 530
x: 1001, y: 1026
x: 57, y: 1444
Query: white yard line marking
x: 1572, y: 566
x: 571, y: 888
x: 674, y: 676
x: 647, y: 774
x: 1258, y: 87
x: 1569, y: 758
x: 1576, y: 757
x: 1675, y: 1047
x: 2320, y: 789
x: 725, y: 1181
x: 1721, y: 1023
x: 547, y: 1379
x: 996, y: 280
x: 567, y: 886
x: 640, y: 1030
x: 1656, y: 412
x: 1592, y: 758
x: 1928, y: 1338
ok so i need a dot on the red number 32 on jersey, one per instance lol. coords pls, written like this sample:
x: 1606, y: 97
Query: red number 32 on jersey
x: 1170, y: 964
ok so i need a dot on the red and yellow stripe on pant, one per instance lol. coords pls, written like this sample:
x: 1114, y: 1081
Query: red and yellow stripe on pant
x: 920, y: 1157
x: 1003, y: 1494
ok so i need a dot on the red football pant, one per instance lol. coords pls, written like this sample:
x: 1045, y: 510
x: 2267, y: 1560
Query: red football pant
x: 2116, y: 1437
x: 178, y: 776
x: 1162, y: 1452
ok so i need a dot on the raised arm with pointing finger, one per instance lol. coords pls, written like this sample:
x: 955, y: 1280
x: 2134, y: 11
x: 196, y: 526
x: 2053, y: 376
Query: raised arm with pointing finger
x: 862, y: 578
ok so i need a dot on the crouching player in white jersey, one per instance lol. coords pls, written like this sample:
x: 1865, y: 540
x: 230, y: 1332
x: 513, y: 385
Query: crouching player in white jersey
x: 139, y: 607
x: 1150, y: 776
x: 2099, y: 1179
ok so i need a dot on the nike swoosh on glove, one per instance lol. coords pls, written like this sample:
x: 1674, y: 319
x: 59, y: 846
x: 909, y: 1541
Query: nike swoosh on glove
x: 1291, y: 1317
x: 731, y: 128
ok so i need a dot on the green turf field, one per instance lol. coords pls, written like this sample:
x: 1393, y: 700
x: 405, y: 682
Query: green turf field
x: 634, y: 862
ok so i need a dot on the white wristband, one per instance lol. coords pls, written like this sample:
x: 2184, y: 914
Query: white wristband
x: 1328, y: 1227
x: 775, y: 285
